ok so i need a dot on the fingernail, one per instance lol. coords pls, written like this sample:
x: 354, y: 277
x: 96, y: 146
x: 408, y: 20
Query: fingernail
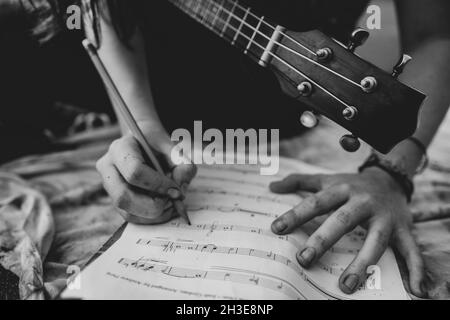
x: 279, y: 226
x: 351, y: 282
x: 306, y: 257
x: 174, y: 193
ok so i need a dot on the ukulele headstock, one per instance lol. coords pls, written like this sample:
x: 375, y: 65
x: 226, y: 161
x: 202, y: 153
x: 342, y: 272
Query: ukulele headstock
x: 329, y: 78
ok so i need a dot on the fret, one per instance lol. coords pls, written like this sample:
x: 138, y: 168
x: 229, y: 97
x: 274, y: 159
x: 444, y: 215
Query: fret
x: 222, y: 18
x: 255, y: 32
x: 229, y: 11
x: 216, y: 11
x: 248, y: 30
x: 195, y: 7
x: 236, y: 24
x: 238, y: 31
x: 261, y: 39
x: 206, y: 12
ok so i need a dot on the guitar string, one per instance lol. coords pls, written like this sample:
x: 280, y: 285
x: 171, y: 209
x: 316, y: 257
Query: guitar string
x: 233, y: 15
x: 194, y: 15
x: 301, y: 45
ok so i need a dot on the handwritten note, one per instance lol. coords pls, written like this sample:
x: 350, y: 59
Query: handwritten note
x: 229, y: 252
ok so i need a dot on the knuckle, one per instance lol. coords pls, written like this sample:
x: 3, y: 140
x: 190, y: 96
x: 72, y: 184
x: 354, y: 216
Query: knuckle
x: 312, y: 202
x: 366, y: 199
x: 382, y: 237
x: 114, y: 145
x: 345, y: 188
x: 345, y: 218
x: 320, y: 241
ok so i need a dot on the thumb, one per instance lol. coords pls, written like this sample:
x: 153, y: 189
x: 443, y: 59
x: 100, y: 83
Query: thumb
x: 297, y: 182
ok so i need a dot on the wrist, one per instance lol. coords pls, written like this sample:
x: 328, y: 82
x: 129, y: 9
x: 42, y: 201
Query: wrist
x: 397, y: 174
x: 408, y: 156
x: 385, y: 179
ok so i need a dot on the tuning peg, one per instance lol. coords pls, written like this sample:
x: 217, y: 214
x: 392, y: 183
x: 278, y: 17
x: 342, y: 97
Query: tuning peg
x: 357, y: 39
x: 350, y: 143
x: 400, y: 66
x: 309, y: 120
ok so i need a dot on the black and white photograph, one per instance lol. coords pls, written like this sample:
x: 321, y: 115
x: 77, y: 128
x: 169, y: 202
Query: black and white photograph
x: 224, y: 155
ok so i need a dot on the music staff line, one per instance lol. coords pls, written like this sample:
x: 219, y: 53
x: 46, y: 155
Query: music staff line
x: 282, y: 286
x: 246, y: 170
x: 210, y: 228
x: 258, y: 198
x: 238, y: 181
x: 172, y: 247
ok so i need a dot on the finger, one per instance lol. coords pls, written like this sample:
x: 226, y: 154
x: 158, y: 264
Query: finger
x: 312, y: 206
x: 129, y: 161
x: 168, y: 215
x: 344, y: 220
x: 377, y: 240
x: 133, y: 206
x: 297, y: 182
x: 406, y: 245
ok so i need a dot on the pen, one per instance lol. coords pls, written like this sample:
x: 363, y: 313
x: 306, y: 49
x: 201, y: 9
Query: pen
x: 127, y: 116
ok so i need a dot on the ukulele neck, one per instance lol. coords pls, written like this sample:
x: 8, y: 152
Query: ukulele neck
x: 236, y: 24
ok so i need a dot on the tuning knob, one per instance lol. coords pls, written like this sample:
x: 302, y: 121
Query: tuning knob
x: 400, y: 66
x: 357, y: 39
x: 309, y: 120
x: 350, y: 143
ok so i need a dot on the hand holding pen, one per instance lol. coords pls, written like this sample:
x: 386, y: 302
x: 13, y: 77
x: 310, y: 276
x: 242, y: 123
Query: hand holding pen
x: 144, y: 194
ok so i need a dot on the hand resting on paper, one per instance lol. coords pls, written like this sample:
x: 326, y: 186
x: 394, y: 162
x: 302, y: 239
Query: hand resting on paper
x: 371, y: 199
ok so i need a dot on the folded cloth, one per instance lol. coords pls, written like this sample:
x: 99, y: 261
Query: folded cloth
x: 26, y: 234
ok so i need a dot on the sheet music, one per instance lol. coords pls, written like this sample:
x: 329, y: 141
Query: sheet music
x: 229, y: 252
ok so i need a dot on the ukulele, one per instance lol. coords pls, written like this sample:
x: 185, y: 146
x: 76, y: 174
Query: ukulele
x: 322, y: 73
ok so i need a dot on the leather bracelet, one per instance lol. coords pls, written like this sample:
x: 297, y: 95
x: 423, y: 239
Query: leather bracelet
x: 398, y: 174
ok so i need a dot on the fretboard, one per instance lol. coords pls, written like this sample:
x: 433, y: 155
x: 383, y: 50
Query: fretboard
x: 233, y: 22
